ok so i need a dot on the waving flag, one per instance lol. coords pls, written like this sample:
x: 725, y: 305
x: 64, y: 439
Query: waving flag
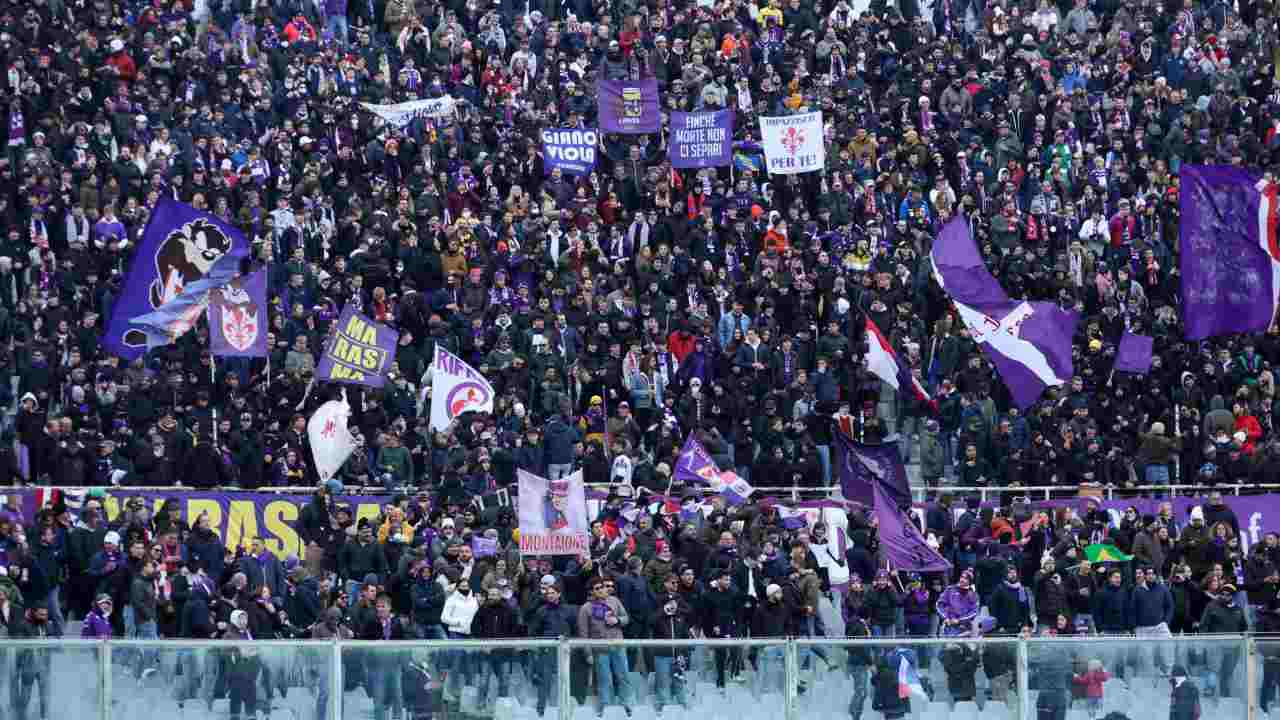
x: 883, y: 362
x: 1229, y: 248
x: 900, y: 540
x: 1028, y: 342
x: 238, y: 317
x: 1099, y: 552
x: 864, y: 467
x: 696, y: 466
x: 331, y: 441
x: 909, y: 684
x: 456, y: 388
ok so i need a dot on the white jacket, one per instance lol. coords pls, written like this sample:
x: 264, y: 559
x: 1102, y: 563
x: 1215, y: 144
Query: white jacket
x: 459, y: 610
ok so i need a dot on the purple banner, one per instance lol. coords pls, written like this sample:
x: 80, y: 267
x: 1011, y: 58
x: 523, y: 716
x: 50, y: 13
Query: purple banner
x: 1226, y: 233
x: 695, y: 464
x: 863, y: 467
x: 360, y: 351
x: 571, y: 151
x: 900, y: 541
x: 629, y: 106
x: 701, y: 139
x: 236, y: 516
x: 238, y: 317
x: 1134, y: 354
x: 178, y: 247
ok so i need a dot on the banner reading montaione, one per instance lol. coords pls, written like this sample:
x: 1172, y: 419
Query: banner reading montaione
x: 701, y: 139
x: 553, y: 515
x: 793, y: 144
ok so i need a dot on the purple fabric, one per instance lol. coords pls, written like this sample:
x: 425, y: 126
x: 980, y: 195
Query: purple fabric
x: 900, y: 540
x: 162, y: 268
x: 1226, y: 271
x: 95, y: 626
x: 360, y: 351
x: 630, y: 107
x: 1134, y: 355
x: 695, y: 464
x: 238, y: 320
x: 961, y: 271
x: 864, y: 467
x: 701, y: 139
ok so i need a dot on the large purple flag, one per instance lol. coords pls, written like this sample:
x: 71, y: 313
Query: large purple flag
x: 701, y: 139
x: 695, y: 464
x: 360, y: 352
x: 1028, y: 342
x: 1134, y: 354
x: 238, y: 317
x: 865, y: 467
x: 630, y: 106
x: 900, y: 540
x: 179, y: 247
x: 1230, y: 254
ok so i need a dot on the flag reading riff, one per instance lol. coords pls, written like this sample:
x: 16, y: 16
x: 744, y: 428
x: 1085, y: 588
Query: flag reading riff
x: 572, y: 152
x: 1229, y: 249
x: 701, y: 139
x: 863, y: 468
x: 552, y: 515
x: 793, y: 144
x: 360, y: 351
x: 179, y: 247
x: 629, y: 107
x: 238, y: 317
x: 883, y: 362
x: 331, y: 441
x: 1028, y: 342
x: 1134, y: 354
x: 456, y: 388
x: 900, y: 540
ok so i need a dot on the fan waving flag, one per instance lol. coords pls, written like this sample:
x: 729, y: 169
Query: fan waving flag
x: 864, y: 467
x: 909, y: 680
x: 1098, y: 552
x: 695, y: 465
x: 883, y: 362
x: 1229, y: 249
x: 900, y: 540
x: 1028, y: 342
x: 456, y: 388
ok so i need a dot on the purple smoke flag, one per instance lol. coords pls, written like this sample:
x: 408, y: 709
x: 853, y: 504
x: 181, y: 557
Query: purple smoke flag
x: 900, y: 540
x: 866, y: 467
x: 571, y: 151
x: 1134, y: 354
x: 238, y: 316
x: 179, y: 247
x: 1230, y: 254
x: 360, y: 351
x: 1028, y: 342
x: 701, y: 139
x: 629, y: 106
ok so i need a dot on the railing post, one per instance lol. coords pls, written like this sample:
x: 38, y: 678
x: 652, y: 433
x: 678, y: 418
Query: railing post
x: 1024, y: 687
x: 104, y: 679
x: 791, y: 679
x: 336, y: 681
x: 564, y: 658
x: 1251, y: 676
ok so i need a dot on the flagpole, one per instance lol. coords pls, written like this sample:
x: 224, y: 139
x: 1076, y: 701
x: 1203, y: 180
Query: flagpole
x: 213, y: 382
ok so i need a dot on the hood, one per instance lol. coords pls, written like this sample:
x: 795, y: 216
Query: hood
x: 1217, y: 403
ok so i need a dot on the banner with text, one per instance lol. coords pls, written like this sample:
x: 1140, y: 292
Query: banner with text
x: 701, y: 139
x: 360, y: 351
x: 571, y: 151
x: 552, y: 515
x: 629, y: 106
x: 793, y: 144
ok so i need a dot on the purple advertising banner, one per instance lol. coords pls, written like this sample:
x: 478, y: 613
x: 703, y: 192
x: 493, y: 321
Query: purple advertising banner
x: 360, y: 352
x: 701, y: 139
x: 630, y: 106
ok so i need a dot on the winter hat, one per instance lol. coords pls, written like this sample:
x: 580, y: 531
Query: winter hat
x: 112, y: 538
x: 773, y: 589
x: 1197, y: 513
x: 548, y: 580
x: 1157, y: 428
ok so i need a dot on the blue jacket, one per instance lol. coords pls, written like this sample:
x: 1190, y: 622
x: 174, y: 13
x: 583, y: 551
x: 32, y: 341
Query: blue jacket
x: 1113, y: 609
x: 558, y: 442
x: 1152, y: 605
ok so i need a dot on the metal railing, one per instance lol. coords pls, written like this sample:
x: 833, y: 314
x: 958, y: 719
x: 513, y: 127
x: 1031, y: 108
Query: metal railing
x: 109, y: 670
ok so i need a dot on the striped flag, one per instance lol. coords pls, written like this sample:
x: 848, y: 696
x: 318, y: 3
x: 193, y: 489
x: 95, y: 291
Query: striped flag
x: 909, y: 684
x: 883, y: 362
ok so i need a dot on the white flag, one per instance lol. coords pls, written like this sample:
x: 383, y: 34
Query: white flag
x: 456, y: 388
x: 793, y: 144
x: 401, y: 114
x: 331, y: 442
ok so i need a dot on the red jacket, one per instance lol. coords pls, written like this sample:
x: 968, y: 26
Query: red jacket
x: 1249, y: 424
x: 1092, y: 681
x: 680, y: 343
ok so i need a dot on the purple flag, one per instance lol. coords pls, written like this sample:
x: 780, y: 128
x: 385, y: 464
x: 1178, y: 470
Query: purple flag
x: 1028, y: 342
x: 571, y: 151
x: 360, y: 351
x: 900, y: 540
x: 238, y: 317
x: 1230, y: 268
x: 695, y: 464
x: 701, y: 139
x: 629, y: 106
x: 1134, y: 355
x: 865, y: 467
x: 179, y: 247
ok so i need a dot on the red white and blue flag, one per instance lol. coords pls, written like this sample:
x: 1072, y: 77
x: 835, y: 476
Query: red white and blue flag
x: 883, y: 362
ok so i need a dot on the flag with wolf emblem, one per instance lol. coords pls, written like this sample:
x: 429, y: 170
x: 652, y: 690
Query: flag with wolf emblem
x: 179, y: 247
x: 238, y: 317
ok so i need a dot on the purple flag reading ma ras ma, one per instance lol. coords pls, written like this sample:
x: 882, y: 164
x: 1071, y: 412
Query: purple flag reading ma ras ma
x: 900, y: 539
x: 360, y: 352
x: 1028, y: 342
x: 630, y: 106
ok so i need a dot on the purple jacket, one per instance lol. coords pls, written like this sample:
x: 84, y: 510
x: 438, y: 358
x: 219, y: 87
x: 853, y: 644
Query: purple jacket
x: 956, y: 604
x: 96, y: 625
x: 335, y: 8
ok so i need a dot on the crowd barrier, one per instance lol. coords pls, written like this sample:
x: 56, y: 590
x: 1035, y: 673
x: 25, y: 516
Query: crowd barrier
x: 1014, y: 679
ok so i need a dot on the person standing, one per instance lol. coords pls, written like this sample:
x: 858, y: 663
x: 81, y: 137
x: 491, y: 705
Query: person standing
x: 1184, y: 700
x: 603, y: 617
x: 384, y: 664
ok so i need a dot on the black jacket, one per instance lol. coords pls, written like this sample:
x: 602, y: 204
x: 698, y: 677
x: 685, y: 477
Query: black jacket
x: 961, y: 664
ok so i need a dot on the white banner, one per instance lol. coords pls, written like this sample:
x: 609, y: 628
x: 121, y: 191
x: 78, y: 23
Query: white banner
x: 401, y: 114
x: 793, y: 144
x: 552, y: 515
x: 456, y: 388
x: 331, y: 441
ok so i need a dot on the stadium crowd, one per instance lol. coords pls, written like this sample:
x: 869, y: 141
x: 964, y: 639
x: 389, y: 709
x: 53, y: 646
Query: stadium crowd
x: 617, y: 312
